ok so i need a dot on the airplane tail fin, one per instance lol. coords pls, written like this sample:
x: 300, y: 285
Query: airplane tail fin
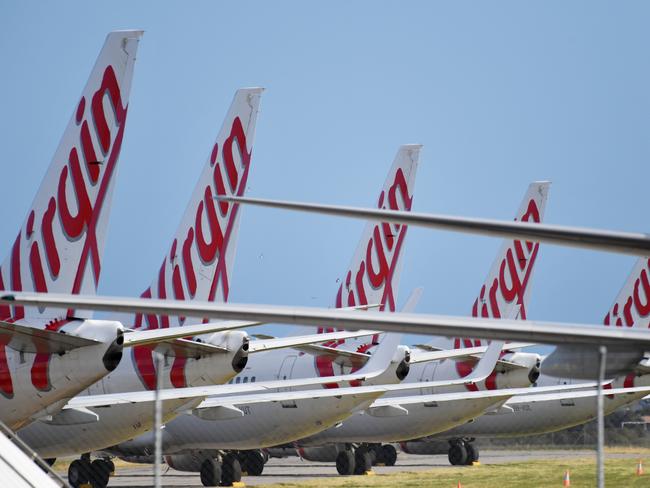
x: 199, y: 263
x: 632, y: 305
x: 374, y: 273
x: 506, y: 290
x: 60, y: 245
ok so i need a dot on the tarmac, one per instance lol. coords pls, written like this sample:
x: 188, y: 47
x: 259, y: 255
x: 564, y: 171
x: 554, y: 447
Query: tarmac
x: 295, y: 470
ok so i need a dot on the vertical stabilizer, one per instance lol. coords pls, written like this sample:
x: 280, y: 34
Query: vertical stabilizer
x: 506, y: 291
x: 199, y: 263
x: 632, y: 305
x: 60, y: 245
x: 374, y: 273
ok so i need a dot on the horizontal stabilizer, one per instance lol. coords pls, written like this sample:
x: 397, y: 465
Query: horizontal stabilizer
x: 33, y: 340
x: 271, y: 343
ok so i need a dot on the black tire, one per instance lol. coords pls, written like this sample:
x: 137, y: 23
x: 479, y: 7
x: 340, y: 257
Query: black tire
x: 211, y: 472
x: 362, y: 461
x: 472, y: 453
x: 100, y: 471
x: 375, y: 455
x: 457, y: 455
x: 111, y: 465
x: 388, y: 454
x: 345, y: 463
x: 78, y: 473
x: 230, y: 470
x: 252, y: 462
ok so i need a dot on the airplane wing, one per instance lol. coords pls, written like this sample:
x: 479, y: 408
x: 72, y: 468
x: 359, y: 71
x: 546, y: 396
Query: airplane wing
x: 524, y: 331
x: 264, y: 397
x: 636, y: 244
x: 588, y: 393
x: 378, y: 363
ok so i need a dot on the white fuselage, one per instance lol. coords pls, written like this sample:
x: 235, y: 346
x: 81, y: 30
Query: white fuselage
x: 40, y: 383
x: 530, y: 418
x: 263, y: 424
x: 116, y: 424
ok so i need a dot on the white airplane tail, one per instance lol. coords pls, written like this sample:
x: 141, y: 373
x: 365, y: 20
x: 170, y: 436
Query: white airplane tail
x: 374, y: 273
x: 200, y: 260
x: 60, y: 245
x: 632, y: 305
x: 506, y: 291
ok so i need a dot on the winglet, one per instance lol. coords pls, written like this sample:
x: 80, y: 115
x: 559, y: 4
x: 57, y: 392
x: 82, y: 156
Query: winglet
x: 382, y: 356
x: 487, y: 363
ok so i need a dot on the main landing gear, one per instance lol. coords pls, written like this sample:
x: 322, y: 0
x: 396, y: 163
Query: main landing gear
x: 82, y: 471
x: 355, y: 461
x: 224, y: 473
x: 252, y: 462
x: 462, y: 452
x: 383, y: 455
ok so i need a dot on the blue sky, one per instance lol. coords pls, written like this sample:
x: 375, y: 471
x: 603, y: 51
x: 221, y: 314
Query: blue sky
x: 499, y: 93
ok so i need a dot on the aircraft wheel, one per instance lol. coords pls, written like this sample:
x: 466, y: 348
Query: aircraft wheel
x: 111, y: 466
x: 78, y: 473
x: 345, y: 462
x: 362, y: 461
x: 472, y: 453
x: 230, y: 470
x: 457, y: 454
x: 388, y: 454
x: 210, y: 472
x: 252, y: 462
x: 375, y: 455
x: 100, y: 471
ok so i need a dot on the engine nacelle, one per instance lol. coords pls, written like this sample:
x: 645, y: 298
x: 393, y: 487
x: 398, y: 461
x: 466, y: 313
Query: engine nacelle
x: 582, y: 362
x: 186, y: 462
x: 519, y: 377
x: 424, y: 448
x: 323, y: 454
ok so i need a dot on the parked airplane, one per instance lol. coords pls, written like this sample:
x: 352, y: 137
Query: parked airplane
x: 203, y: 273
x: 505, y: 293
x: 528, y: 415
x: 373, y: 277
x: 59, y: 248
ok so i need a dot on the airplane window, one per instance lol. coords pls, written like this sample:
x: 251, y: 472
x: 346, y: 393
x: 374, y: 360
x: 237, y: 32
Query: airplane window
x: 245, y: 379
x: 237, y: 380
x: 252, y: 379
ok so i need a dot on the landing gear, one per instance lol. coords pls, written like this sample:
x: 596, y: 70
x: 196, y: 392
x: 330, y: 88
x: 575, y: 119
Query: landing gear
x: 230, y: 470
x: 211, y: 472
x: 252, y: 462
x: 345, y: 462
x: 462, y: 452
x: 78, y: 472
x: 386, y: 455
x: 82, y: 471
x: 362, y: 461
x: 457, y: 454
